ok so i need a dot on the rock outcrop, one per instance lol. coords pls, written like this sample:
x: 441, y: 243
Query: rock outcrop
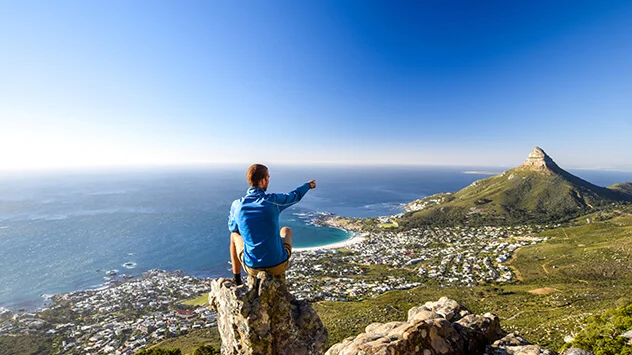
x: 513, y: 344
x: 538, y: 160
x: 443, y: 327
x: 576, y: 351
x: 262, y: 317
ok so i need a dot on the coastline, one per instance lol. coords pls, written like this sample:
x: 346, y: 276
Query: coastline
x: 355, y: 238
x: 481, y: 172
x: 347, y: 225
x: 45, y: 300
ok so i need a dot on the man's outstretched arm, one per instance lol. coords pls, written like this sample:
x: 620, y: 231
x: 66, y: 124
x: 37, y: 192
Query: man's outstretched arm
x: 284, y: 201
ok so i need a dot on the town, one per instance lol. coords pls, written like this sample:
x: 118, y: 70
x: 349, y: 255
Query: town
x: 127, y: 317
x: 464, y: 256
x: 121, y: 319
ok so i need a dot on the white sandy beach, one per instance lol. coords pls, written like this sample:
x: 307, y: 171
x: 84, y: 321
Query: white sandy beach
x: 481, y: 172
x: 358, y: 238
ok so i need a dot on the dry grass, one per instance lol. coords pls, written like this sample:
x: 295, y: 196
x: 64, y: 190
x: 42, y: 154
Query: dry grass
x: 543, y: 291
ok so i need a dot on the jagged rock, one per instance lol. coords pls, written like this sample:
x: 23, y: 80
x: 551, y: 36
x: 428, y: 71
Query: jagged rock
x: 576, y: 351
x: 432, y: 336
x: 538, y: 160
x: 523, y: 350
x: 510, y: 339
x: 478, y: 331
x: 442, y: 327
x: 444, y: 307
x: 5, y: 314
x: 262, y: 317
x: 628, y: 335
x: 513, y: 344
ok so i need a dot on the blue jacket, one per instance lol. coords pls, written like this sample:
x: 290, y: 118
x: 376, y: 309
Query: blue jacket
x: 256, y: 217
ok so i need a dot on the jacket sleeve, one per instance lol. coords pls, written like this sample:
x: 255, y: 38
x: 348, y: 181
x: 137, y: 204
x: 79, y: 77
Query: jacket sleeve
x: 284, y: 201
x: 232, y: 221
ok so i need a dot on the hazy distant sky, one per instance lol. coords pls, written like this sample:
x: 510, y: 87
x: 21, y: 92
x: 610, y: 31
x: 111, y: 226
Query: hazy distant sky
x: 86, y: 83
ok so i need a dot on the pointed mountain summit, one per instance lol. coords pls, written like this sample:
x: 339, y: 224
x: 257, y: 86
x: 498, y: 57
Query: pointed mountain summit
x: 538, y: 191
x: 538, y: 160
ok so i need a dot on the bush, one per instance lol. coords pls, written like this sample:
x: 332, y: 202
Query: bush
x: 602, y: 334
x: 206, y: 350
x: 156, y: 351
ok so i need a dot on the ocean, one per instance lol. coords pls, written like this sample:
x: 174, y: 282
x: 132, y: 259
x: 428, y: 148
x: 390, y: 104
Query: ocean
x: 63, y: 231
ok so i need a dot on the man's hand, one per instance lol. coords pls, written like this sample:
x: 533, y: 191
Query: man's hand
x: 312, y: 184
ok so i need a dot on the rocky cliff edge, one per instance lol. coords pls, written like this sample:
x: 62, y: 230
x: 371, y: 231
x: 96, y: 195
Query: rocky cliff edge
x: 262, y: 317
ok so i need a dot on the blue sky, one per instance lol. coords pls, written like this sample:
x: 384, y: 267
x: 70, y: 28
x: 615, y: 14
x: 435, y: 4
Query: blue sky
x: 102, y: 83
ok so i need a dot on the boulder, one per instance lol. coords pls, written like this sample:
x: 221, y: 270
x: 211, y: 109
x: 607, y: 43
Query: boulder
x: 262, y: 317
x: 442, y: 327
x: 628, y: 335
x: 513, y: 344
x: 478, y: 331
x: 576, y: 351
x: 445, y: 307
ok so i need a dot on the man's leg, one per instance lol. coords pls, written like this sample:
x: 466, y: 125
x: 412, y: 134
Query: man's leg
x: 286, y: 236
x: 236, y: 246
x: 286, y: 239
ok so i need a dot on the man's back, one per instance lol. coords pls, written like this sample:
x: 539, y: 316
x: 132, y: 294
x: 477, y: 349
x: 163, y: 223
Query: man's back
x: 256, y: 218
x: 256, y: 242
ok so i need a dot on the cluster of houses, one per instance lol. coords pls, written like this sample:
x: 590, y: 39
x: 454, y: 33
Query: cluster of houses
x: 119, y: 320
x: 344, y: 288
x: 448, y: 256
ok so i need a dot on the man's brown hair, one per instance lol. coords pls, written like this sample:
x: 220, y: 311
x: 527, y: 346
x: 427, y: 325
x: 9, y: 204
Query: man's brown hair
x: 256, y: 173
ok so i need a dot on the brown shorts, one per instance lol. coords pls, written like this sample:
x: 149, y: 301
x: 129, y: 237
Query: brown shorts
x: 274, y: 270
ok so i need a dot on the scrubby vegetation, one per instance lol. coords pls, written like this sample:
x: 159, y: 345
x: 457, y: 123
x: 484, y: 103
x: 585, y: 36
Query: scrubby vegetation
x: 160, y: 352
x: 602, y: 334
x: 200, y: 350
x: 196, y: 341
x: 25, y: 345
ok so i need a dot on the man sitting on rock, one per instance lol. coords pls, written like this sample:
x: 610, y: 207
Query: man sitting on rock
x: 256, y: 242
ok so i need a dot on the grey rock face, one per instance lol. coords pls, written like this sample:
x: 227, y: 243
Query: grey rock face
x: 442, y: 327
x: 262, y: 317
x: 538, y: 160
x: 628, y: 335
x: 576, y: 351
x: 513, y: 344
x: 444, y: 307
x: 478, y: 331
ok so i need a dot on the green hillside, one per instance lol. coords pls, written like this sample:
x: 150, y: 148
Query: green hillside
x: 538, y: 191
x: 623, y: 188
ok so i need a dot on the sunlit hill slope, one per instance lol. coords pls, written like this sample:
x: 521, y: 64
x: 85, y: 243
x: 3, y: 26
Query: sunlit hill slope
x: 538, y: 191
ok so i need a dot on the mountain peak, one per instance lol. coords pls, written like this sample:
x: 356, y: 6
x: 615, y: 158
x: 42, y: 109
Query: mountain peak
x: 538, y: 160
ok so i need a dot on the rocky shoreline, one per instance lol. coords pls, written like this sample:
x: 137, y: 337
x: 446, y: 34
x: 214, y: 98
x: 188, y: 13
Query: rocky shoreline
x: 347, y: 224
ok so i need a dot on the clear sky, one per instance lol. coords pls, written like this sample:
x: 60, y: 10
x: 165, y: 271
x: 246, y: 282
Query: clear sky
x: 99, y: 83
